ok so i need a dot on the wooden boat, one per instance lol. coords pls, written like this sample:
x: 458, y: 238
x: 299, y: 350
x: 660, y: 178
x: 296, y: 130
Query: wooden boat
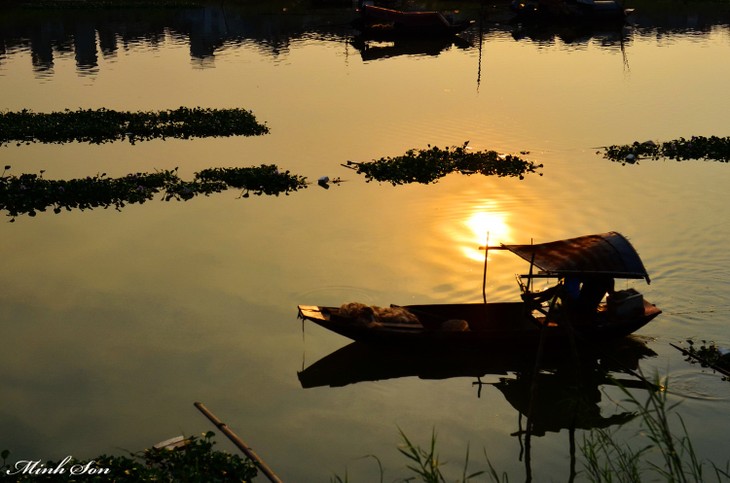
x: 555, y: 315
x: 380, y: 22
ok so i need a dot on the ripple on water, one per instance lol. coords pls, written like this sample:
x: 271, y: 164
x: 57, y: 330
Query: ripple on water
x: 335, y: 295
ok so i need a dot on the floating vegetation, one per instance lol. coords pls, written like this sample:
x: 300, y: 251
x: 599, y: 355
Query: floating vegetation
x: 104, y: 125
x: 429, y: 165
x: 711, y: 148
x: 28, y: 194
x: 261, y: 180
x: 707, y: 354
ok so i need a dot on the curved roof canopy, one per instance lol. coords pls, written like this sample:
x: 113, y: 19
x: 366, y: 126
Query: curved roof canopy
x: 604, y: 254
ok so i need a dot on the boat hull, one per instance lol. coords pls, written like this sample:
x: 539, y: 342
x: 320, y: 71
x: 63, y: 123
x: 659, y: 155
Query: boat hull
x: 488, y: 324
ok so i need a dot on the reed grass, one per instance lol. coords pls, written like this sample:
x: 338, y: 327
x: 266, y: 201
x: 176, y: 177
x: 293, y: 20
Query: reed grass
x: 664, y: 451
x: 425, y: 462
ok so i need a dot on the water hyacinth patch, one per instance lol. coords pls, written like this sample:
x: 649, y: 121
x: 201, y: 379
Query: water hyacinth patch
x: 711, y: 148
x: 429, y: 165
x: 105, y: 125
x: 31, y: 193
x: 28, y: 194
x: 261, y: 180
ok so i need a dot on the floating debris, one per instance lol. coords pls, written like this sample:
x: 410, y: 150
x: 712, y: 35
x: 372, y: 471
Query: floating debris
x: 429, y: 165
x: 711, y: 148
x: 707, y: 354
x: 105, y: 125
x: 28, y: 194
x: 324, y: 181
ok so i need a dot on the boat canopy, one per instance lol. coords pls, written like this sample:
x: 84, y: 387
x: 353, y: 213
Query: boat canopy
x: 604, y: 254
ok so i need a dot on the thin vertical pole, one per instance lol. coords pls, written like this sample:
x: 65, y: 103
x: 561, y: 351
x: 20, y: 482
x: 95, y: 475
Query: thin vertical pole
x: 484, y: 277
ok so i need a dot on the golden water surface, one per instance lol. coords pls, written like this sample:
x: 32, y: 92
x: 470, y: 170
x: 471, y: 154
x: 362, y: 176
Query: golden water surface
x: 114, y: 323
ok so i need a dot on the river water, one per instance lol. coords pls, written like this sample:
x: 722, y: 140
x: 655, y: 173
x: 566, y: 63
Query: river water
x: 115, y: 322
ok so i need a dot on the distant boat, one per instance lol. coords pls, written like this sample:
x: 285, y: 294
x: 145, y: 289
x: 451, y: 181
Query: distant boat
x: 375, y: 21
x: 570, y: 10
x: 556, y: 314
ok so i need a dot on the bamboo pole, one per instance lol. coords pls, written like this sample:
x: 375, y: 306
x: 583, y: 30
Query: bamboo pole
x: 260, y: 464
x: 484, y: 277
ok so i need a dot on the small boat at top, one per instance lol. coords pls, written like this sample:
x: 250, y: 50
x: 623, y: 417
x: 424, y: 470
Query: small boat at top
x: 581, y: 307
x: 380, y: 22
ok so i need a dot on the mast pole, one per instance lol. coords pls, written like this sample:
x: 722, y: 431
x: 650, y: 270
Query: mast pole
x: 484, y: 277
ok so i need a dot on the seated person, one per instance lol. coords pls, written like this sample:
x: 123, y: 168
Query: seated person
x: 578, y: 296
x: 567, y: 288
x: 557, y: 297
x: 592, y: 291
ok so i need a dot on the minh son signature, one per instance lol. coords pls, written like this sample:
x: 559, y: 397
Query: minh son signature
x: 35, y: 467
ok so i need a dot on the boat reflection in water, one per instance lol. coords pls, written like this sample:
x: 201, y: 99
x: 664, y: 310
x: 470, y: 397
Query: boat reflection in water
x: 384, y: 48
x: 551, y: 392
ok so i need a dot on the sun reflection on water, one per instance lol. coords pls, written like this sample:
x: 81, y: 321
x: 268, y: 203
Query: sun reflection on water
x: 487, y: 224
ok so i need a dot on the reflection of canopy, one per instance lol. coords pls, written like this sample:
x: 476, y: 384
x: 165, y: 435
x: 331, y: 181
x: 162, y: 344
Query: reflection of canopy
x: 561, y: 402
x: 605, y: 253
